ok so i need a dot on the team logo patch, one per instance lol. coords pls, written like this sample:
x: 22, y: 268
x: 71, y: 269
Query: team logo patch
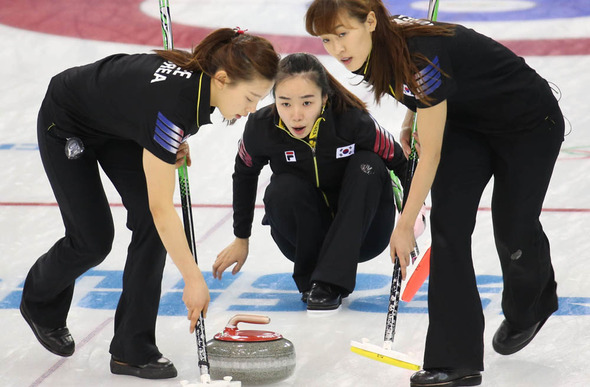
x: 345, y: 151
x: 368, y: 169
x: 290, y: 156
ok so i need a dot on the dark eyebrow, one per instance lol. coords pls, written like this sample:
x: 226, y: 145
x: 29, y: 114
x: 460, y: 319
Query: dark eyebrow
x: 302, y: 97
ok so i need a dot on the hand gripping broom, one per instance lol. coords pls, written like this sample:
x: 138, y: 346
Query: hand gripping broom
x: 384, y: 353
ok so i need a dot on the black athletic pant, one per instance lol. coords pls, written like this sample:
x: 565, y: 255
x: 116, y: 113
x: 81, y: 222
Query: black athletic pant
x: 328, y: 248
x: 88, y: 239
x: 521, y: 165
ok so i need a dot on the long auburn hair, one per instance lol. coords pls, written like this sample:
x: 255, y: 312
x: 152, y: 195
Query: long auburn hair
x: 308, y: 65
x: 390, y: 57
x: 242, y: 56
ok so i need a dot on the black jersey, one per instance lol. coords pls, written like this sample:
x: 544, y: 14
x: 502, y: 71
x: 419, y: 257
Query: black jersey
x: 266, y: 140
x: 139, y: 97
x: 488, y: 88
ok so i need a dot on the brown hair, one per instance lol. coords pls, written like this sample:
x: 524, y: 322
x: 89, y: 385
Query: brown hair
x: 390, y: 58
x: 242, y: 56
x: 306, y: 64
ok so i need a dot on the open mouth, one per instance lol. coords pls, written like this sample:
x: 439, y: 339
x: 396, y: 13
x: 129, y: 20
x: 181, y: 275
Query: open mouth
x: 298, y: 129
x: 346, y: 60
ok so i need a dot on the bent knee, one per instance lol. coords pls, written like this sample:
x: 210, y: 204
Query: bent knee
x: 97, y: 245
x: 287, y: 187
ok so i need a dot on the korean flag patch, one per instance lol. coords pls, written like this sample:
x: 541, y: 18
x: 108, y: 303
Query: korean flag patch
x: 345, y: 151
x: 290, y: 156
x: 407, y: 91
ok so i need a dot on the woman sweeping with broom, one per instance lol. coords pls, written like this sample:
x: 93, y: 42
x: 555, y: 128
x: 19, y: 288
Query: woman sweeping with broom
x: 482, y: 112
x: 131, y: 114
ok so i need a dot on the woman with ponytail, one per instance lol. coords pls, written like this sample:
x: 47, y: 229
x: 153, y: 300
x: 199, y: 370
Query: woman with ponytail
x: 482, y: 112
x: 330, y: 202
x: 131, y: 114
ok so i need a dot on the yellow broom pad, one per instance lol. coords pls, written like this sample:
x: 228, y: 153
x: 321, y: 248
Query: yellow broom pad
x: 384, y: 355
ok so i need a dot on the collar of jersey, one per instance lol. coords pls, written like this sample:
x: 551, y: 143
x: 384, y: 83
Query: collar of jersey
x: 313, y: 135
x: 204, y: 108
x: 364, y: 68
x: 363, y: 71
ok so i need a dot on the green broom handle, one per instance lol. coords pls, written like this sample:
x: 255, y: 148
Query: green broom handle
x: 185, y: 197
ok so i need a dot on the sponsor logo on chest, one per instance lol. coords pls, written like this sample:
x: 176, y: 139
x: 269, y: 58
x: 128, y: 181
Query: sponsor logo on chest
x: 290, y: 156
x: 344, y: 151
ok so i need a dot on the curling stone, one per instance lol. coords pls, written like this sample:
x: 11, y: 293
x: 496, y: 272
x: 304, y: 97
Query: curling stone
x: 250, y: 356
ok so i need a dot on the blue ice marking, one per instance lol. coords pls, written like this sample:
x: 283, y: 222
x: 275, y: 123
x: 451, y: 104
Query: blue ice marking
x: 573, y: 306
x: 282, y: 302
x: 212, y: 283
x: 171, y: 303
x: 278, y: 281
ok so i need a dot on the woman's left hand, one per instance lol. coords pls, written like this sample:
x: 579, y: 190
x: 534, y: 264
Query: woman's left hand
x: 183, y: 151
x: 236, y: 253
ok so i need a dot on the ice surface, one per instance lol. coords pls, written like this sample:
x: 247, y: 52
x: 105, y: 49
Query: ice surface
x: 30, y: 223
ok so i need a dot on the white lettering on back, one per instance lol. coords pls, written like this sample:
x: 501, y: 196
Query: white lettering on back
x: 169, y: 68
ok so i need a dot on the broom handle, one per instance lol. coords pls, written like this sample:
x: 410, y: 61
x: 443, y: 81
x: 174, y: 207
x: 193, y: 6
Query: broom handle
x: 185, y: 197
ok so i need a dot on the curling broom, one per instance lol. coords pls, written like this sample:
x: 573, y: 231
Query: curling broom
x: 384, y: 353
x: 187, y: 215
x: 417, y: 277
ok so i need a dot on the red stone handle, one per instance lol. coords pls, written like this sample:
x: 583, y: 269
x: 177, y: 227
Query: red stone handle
x: 247, y: 318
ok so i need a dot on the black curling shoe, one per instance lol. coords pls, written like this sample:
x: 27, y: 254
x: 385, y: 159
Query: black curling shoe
x: 323, y: 297
x: 440, y: 377
x: 56, y: 340
x: 161, y: 368
x: 304, y: 296
x: 508, y: 340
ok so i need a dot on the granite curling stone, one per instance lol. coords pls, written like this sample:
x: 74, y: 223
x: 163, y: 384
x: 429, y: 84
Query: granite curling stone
x: 250, y: 356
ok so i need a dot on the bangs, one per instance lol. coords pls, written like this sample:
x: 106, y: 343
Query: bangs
x: 322, y: 17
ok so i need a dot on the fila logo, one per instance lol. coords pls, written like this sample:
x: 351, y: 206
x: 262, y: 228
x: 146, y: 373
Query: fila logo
x: 290, y: 156
x: 345, y: 151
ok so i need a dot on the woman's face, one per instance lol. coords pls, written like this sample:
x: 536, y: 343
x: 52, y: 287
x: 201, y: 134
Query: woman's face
x: 351, y: 41
x: 237, y: 99
x: 299, y: 102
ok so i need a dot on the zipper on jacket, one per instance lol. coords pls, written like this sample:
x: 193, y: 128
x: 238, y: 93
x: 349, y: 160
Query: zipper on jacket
x: 312, y: 145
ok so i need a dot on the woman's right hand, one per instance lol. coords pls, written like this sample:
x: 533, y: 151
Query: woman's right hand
x: 236, y: 253
x: 196, y: 298
x: 405, y: 140
x: 401, y: 243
